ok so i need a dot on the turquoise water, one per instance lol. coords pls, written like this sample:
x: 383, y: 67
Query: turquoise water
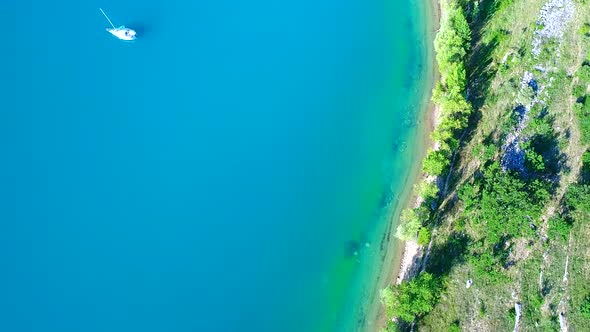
x: 230, y: 170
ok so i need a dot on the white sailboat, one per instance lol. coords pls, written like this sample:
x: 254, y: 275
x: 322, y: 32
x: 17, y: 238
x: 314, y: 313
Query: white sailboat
x: 121, y: 32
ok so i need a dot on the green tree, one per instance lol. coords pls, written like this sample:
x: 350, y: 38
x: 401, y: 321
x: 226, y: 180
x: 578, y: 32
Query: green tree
x: 435, y: 163
x: 559, y: 228
x: 534, y: 161
x: 412, y: 298
x: 423, y: 236
x: 577, y: 201
x: 411, y: 221
x: 428, y: 190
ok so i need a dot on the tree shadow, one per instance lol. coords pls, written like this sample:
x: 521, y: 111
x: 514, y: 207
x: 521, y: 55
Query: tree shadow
x: 445, y: 256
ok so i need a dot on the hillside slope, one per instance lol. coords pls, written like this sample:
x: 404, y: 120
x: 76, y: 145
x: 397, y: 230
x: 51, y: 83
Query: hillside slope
x: 507, y: 244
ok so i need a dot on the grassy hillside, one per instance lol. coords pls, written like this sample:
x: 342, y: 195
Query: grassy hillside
x: 508, y: 229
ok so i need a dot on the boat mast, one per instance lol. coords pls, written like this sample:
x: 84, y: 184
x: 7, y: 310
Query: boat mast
x: 105, y: 15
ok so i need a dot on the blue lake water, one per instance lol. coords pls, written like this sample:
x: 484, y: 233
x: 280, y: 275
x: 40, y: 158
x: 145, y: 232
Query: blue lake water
x: 230, y: 170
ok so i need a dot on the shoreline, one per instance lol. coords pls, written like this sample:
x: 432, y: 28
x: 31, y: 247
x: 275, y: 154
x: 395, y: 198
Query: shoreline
x: 407, y: 253
x: 410, y: 251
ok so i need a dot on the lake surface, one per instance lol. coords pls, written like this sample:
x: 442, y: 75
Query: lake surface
x: 231, y: 170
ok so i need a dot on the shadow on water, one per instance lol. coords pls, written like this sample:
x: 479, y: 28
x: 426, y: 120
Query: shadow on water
x: 141, y: 29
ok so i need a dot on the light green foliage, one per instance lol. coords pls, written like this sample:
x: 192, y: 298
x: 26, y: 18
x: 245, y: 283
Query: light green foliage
x: 428, y: 191
x: 452, y: 41
x: 412, y: 298
x: 391, y: 327
x: 452, y: 44
x: 435, y: 163
x: 411, y: 222
x: 584, y: 73
x: 423, y: 236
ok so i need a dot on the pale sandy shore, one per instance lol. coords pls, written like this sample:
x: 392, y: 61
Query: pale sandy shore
x: 411, y: 253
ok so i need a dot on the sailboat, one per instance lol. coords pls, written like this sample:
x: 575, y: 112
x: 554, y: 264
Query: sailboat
x: 121, y: 32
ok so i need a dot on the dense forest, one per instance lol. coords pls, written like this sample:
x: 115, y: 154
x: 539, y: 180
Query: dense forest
x: 505, y: 198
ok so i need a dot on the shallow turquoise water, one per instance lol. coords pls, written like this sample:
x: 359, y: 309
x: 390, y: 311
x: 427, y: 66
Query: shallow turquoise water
x: 230, y: 170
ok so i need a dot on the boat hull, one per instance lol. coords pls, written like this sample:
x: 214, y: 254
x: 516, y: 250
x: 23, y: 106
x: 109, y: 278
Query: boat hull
x: 123, y: 33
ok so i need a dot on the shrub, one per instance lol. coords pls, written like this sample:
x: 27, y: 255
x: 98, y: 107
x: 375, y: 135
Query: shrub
x: 577, y: 202
x: 411, y: 299
x: 428, y: 191
x: 582, y: 112
x: 411, y: 221
x: 423, y: 236
x: 391, y: 327
x: 559, y: 228
x: 585, y: 308
x: 534, y: 161
x: 579, y: 91
x: 435, y: 163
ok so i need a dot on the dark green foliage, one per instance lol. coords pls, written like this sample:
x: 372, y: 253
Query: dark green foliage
x: 577, y: 202
x: 586, y: 160
x: 412, y: 298
x: 579, y: 91
x: 455, y: 327
x: 512, y: 315
x: 469, y: 194
x: 582, y: 109
x: 559, y: 228
x: 585, y: 308
x: 585, y: 174
x: 582, y: 112
x: 500, y: 206
x: 532, y: 297
x: 507, y: 205
x: 534, y: 161
x: 482, y: 310
x: 488, y: 267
